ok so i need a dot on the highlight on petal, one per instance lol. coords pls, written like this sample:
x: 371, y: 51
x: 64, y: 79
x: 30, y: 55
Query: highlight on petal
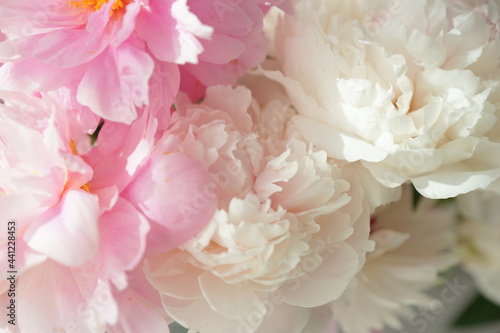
x: 123, y: 73
x: 174, y: 191
x: 171, y: 31
x: 68, y: 232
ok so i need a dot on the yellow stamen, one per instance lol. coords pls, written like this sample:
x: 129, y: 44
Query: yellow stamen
x: 97, y: 4
x: 86, y: 188
x: 72, y: 145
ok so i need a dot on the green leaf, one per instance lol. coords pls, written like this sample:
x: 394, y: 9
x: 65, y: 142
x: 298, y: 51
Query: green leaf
x: 176, y: 328
x: 479, y: 311
x: 416, y: 198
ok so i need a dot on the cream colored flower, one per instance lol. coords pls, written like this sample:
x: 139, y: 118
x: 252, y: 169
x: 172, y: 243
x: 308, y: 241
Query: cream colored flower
x: 412, y: 247
x: 289, y: 241
x: 393, y: 87
x: 480, y: 240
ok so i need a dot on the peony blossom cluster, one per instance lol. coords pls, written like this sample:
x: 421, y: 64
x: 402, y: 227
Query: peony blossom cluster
x: 244, y: 166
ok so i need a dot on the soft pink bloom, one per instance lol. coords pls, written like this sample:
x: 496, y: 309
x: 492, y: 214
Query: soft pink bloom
x: 237, y: 43
x: 43, y: 181
x: 107, y: 50
x: 74, y: 224
x: 170, y: 189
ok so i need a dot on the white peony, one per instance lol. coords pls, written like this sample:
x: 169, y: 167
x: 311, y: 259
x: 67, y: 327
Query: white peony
x: 412, y: 247
x: 480, y: 240
x: 276, y: 121
x: 397, y: 87
x: 289, y: 240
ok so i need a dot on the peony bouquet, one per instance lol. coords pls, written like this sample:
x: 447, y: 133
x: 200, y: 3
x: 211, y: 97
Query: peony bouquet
x: 245, y: 166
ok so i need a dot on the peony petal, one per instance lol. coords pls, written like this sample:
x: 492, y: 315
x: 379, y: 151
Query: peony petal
x: 336, y: 143
x: 34, y: 75
x: 49, y: 300
x: 122, y: 232
x: 175, y: 191
x: 327, y: 283
x: 217, y: 292
x: 67, y: 233
x: 171, y: 31
x: 116, y: 82
x: 163, y: 274
x: 136, y: 315
x: 204, y: 321
x: 281, y: 317
x: 67, y: 48
x: 127, y: 23
x: 478, y: 172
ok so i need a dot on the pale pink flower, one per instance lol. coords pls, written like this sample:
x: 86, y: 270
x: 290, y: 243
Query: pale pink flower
x: 109, y: 51
x: 290, y: 231
x: 106, y: 47
x: 44, y: 191
x: 237, y: 43
x: 43, y: 182
x: 78, y: 237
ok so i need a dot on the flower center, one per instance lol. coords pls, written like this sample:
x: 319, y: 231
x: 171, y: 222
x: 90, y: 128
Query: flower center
x: 74, y: 151
x: 97, y: 4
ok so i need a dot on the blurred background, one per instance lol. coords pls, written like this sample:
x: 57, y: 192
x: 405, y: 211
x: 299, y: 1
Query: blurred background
x: 467, y: 312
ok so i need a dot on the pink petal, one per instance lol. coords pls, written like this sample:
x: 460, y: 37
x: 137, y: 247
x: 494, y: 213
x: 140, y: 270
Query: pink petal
x: 174, y: 190
x: 122, y: 234
x: 139, y: 283
x: 107, y: 197
x: 116, y: 82
x: 126, y: 26
x: 190, y: 84
x: 97, y: 22
x: 33, y: 75
x: 111, y: 137
x: 163, y: 88
x: 67, y: 48
x: 233, y: 24
x: 137, y: 315
x: 67, y: 233
x: 49, y: 299
x: 172, y: 31
x: 120, y: 150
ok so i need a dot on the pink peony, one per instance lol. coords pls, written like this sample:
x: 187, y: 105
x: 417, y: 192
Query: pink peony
x: 237, y: 44
x: 107, y: 48
x: 79, y: 238
x: 113, y: 52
